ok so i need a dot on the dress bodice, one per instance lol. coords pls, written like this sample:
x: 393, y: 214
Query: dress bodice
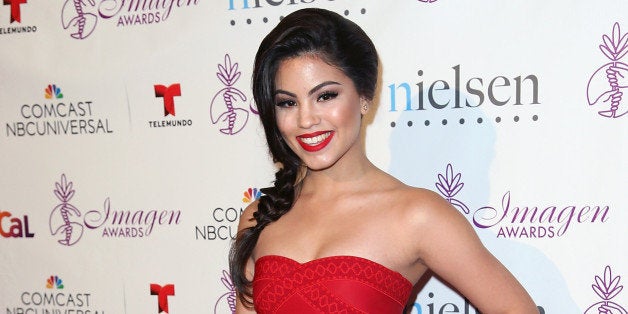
x: 335, y: 284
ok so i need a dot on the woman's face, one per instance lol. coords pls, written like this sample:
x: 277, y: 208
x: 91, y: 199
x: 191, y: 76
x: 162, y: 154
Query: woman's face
x: 318, y: 111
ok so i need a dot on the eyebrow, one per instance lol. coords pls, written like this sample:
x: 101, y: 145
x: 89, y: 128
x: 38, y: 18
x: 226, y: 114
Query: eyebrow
x: 312, y: 91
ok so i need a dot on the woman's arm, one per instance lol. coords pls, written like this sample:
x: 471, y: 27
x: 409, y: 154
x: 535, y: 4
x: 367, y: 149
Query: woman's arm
x: 449, y: 246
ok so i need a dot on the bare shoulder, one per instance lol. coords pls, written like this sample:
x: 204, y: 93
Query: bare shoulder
x: 246, y: 219
x: 427, y: 215
x: 423, y: 205
x: 416, y: 206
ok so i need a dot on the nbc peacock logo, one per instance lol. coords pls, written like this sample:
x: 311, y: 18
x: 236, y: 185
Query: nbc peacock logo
x: 52, y: 91
x: 251, y: 194
x: 607, y: 84
x: 228, y: 106
x: 54, y: 282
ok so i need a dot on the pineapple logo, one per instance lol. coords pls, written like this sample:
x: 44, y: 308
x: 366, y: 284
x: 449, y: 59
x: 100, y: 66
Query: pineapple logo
x: 227, y: 302
x: 226, y: 109
x: 60, y: 221
x: 607, y: 288
x: 449, y: 185
x: 75, y: 19
x: 606, y: 85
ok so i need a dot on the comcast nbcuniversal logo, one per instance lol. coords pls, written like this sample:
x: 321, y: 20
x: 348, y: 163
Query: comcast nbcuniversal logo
x: 607, y: 84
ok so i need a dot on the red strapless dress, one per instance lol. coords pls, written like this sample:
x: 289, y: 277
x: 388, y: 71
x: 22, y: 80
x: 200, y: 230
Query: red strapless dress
x: 335, y: 284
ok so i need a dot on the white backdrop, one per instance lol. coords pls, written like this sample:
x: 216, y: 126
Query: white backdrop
x: 122, y: 180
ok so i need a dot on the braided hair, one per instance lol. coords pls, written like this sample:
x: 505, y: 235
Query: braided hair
x: 340, y: 43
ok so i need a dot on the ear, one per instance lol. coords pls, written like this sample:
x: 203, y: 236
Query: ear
x: 364, y: 105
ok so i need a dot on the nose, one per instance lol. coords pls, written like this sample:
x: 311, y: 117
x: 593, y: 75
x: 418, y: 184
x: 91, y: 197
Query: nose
x: 308, y: 116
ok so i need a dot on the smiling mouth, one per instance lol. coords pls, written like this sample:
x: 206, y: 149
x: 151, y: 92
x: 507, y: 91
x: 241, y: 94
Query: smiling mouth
x: 315, y: 141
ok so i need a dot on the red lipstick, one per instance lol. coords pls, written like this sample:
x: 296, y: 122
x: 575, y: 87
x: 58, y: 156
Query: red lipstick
x: 316, y: 141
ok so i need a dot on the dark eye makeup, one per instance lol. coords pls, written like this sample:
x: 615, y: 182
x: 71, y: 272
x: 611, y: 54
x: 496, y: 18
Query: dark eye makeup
x: 284, y: 102
x: 328, y: 95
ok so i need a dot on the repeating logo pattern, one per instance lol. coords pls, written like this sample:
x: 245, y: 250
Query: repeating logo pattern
x: 80, y: 17
x: 74, y: 18
x: 17, y: 228
x: 251, y: 194
x: 56, y: 298
x: 226, y: 303
x: 53, y: 92
x: 520, y: 221
x: 60, y: 222
x: 226, y: 109
x: 607, y: 82
x: 16, y: 14
x: 162, y: 294
x: 113, y: 223
x: 449, y: 185
x: 57, y: 115
x: 168, y: 93
x: 607, y: 288
x: 54, y: 282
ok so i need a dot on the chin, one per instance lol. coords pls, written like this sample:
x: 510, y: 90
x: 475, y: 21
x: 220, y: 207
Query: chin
x: 318, y: 165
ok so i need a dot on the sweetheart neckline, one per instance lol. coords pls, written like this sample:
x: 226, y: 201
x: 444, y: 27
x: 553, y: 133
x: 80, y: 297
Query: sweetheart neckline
x: 335, y: 257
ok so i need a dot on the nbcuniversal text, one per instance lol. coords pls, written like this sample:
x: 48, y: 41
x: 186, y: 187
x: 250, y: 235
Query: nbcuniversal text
x: 58, y: 119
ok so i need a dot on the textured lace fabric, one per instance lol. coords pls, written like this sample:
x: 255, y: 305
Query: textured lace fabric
x: 335, y: 284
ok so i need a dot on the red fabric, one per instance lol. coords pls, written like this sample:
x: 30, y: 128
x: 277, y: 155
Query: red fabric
x: 335, y: 284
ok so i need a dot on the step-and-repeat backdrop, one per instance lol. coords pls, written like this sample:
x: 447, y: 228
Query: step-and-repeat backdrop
x: 129, y: 144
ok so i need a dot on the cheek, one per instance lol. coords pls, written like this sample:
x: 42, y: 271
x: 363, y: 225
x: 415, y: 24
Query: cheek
x: 347, y: 115
x: 283, y: 121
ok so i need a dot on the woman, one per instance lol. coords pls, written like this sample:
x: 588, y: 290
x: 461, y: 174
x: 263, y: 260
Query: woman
x: 314, y: 241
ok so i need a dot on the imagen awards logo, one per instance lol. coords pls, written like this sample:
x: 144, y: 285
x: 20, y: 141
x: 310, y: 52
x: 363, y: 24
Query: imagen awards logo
x: 226, y: 108
x: 226, y: 303
x: 607, y: 288
x: 606, y: 85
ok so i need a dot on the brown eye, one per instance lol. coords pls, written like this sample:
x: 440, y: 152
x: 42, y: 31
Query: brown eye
x: 327, y: 96
x: 285, y: 103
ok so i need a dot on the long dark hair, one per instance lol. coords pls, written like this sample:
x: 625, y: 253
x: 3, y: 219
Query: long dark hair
x: 340, y: 43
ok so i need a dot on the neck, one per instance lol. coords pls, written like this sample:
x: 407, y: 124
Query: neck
x: 348, y: 174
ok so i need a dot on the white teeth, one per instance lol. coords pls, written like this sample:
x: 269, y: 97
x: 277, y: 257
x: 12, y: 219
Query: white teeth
x: 316, y: 139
